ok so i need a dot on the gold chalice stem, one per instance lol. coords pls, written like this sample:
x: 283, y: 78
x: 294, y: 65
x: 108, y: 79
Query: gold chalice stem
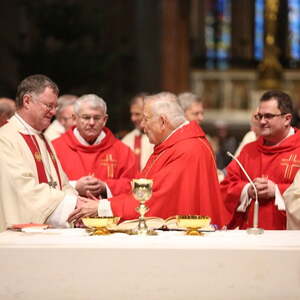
x: 142, y: 226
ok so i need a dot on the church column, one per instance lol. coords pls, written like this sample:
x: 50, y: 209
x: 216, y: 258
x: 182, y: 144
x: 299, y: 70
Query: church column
x: 175, y: 57
x: 270, y: 69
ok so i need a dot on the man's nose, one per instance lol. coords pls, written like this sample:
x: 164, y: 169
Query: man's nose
x: 92, y: 121
x: 263, y: 121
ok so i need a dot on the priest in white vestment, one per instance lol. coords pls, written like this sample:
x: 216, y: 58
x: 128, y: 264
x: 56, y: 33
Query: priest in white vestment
x: 33, y: 186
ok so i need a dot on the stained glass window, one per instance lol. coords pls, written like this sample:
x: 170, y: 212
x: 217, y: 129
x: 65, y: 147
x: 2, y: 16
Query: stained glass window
x: 294, y: 28
x: 259, y: 30
x: 218, y: 34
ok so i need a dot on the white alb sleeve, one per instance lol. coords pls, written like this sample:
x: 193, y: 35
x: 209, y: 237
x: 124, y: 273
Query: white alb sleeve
x: 104, y: 208
x: 245, y: 200
x: 60, y: 215
x: 279, y: 202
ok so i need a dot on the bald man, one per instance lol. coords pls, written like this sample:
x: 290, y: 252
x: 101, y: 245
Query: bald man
x: 7, y: 110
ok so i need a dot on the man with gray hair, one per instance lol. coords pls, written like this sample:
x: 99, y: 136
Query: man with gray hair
x: 95, y: 161
x: 182, y: 168
x: 64, y: 117
x: 192, y: 106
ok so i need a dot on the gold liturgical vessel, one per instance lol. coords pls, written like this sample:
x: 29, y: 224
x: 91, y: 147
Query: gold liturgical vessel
x: 193, y: 223
x: 142, y: 192
x: 100, y: 225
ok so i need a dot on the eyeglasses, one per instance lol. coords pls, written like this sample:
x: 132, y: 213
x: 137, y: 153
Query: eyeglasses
x: 267, y: 116
x: 87, y: 118
x: 48, y: 107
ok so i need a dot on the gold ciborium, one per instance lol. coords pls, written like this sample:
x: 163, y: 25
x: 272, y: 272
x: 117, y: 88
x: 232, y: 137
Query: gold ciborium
x: 142, y: 191
x: 100, y: 225
x: 193, y: 223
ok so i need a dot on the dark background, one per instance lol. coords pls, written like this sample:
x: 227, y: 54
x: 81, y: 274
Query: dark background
x: 88, y: 46
x: 117, y: 48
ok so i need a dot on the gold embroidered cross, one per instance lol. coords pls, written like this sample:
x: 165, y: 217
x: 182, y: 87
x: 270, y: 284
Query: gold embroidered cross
x: 290, y: 163
x: 110, y: 163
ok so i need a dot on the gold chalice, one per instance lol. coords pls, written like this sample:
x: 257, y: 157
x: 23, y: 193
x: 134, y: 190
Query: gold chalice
x: 193, y: 223
x: 100, y: 225
x: 142, y: 191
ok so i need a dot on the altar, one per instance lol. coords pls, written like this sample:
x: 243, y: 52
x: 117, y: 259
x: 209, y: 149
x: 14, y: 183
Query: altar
x: 70, y: 264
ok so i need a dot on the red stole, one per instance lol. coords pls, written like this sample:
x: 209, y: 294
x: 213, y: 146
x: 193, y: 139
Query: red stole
x: 36, y: 153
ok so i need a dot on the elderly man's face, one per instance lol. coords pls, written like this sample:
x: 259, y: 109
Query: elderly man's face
x: 195, y: 112
x: 152, y: 125
x: 90, y: 122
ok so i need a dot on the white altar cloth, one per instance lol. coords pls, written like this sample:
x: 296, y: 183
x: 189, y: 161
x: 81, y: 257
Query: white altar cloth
x: 69, y: 264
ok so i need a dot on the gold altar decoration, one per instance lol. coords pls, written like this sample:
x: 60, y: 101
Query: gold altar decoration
x: 270, y: 69
x: 100, y: 225
x: 193, y: 223
x: 142, y: 192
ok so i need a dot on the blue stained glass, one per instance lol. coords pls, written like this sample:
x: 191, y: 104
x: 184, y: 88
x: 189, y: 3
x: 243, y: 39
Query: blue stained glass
x: 224, y: 38
x: 210, y: 37
x: 259, y: 30
x: 218, y: 33
x: 294, y: 28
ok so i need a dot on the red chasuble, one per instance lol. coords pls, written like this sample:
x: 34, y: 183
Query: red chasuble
x: 279, y: 163
x: 111, y: 161
x: 184, y: 179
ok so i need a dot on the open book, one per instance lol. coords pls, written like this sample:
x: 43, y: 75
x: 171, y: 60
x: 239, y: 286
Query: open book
x: 157, y: 223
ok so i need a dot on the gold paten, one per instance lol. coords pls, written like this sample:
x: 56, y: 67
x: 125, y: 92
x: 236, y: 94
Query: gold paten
x: 100, y: 225
x: 193, y: 223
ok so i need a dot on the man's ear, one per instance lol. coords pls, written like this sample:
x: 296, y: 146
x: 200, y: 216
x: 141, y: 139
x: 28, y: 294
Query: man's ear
x: 26, y: 100
x: 164, y: 121
x: 74, y: 117
x: 105, y: 119
x: 288, y: 119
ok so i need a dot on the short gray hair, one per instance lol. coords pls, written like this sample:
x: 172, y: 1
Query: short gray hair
x: 94, y: 100
x: 186, y: 99
x: 65, y: 101
x: 166, y: 104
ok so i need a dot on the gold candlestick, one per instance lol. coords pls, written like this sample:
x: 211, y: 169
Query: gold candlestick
x: 142, y: 191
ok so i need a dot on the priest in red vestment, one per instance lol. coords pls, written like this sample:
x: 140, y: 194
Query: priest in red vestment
x: 91, y: 156
x: 271, y: 162
x: 182, y: 168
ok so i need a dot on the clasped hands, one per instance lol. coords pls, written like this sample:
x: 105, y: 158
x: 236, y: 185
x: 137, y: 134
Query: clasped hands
x: 90, y: 184
x: 265, y: 189
x: 89, y: 189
